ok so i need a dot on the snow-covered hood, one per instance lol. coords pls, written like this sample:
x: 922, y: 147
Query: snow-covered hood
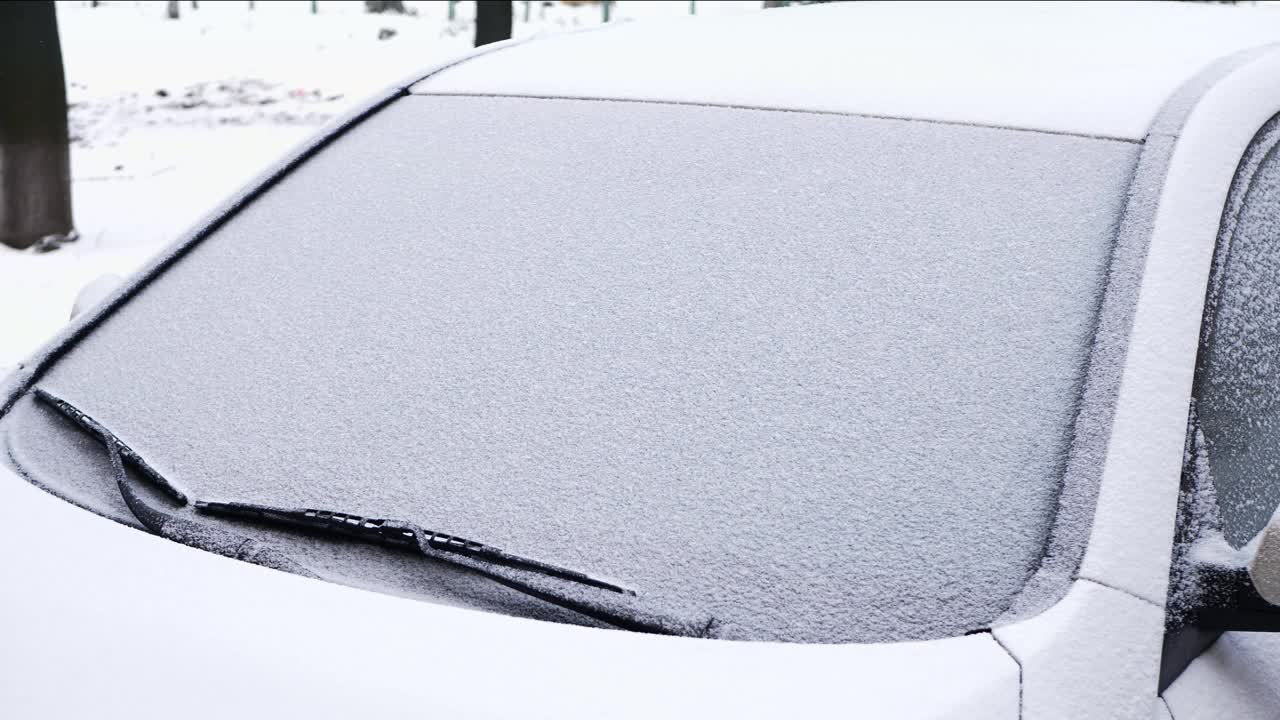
x: 119, y: 623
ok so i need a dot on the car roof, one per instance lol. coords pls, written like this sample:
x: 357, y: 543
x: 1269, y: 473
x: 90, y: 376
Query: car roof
x: 1100, y: 69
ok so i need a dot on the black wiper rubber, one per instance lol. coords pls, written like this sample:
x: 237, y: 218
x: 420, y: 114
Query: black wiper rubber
x: 570, y: 589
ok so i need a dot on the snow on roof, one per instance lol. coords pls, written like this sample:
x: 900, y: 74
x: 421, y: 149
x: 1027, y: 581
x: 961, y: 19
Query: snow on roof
x: 1089, y: 68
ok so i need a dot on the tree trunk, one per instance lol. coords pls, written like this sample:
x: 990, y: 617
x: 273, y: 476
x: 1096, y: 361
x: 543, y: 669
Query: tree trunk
x: 35, y: 163
x: 384, y: 6
x: 172, y: 11
x: 493, y: 21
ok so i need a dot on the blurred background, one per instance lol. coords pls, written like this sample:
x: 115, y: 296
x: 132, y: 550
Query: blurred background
x: 173, y: 105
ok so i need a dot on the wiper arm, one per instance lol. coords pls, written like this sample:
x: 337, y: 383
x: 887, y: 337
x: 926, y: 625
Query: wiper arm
x: 570, y: 589
x: 161, y: 521
x: 113, y: 443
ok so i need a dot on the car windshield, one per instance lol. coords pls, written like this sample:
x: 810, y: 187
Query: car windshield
x: 814, y: 373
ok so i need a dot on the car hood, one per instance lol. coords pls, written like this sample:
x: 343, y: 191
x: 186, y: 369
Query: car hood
x: 104, y: 620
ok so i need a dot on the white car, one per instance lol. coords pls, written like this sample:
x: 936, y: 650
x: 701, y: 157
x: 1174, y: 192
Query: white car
x: 824, y: 361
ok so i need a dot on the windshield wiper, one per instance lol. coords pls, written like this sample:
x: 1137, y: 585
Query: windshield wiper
x: 577, y: 591
x: 113, y: 443
x: 397, y: 533
x: 163, y: 522
x: 599, y: 599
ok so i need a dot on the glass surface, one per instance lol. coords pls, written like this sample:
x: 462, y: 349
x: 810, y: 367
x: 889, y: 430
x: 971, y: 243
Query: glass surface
x: 815, y: 374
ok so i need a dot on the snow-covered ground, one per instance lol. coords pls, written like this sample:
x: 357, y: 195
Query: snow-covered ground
x: 170, y: 116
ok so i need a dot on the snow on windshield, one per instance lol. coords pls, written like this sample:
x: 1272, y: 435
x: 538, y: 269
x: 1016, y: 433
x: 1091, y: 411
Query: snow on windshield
x: 813, y: 373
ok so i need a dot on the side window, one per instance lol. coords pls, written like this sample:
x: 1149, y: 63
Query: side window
x: 1237, y: 387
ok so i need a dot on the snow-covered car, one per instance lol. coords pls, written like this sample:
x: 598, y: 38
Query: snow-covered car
x: 826, y: 361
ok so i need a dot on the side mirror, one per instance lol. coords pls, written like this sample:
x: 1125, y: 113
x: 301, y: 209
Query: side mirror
x: 1244, y: 596
x: 95, y: 292
x: 1264, y: 565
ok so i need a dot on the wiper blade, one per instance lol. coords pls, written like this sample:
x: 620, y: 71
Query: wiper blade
x: 593, y: 597
x: 570, y: 589
x: 397, y: 533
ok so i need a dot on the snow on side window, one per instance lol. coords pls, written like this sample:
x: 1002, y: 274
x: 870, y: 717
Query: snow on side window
x: 1238, y: 386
